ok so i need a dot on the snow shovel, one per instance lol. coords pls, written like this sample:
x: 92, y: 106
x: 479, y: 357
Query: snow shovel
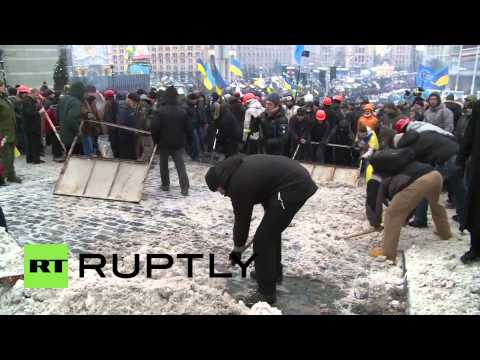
x: 365, y: 232
x: 213, y: 156
x: 295, y: 153
x: 53, y: 129
x: 10, y: 280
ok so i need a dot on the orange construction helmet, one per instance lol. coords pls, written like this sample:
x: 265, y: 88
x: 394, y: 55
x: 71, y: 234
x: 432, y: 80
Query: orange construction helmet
x: 401, y: 125
x: 247, y: 97
x: 22, y: 89
x: 338, y: 98
x: 320, y: 115
x: 327, y: 101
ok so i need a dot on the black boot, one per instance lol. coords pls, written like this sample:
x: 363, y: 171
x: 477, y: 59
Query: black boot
x: 417, y: 225
x: 2, y: 181
x: 253, y: 275
x: 257, y: 296
x: 14, y: 179
x: 470, y: 256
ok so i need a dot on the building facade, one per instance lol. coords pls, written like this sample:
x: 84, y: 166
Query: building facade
x: 265, y: 59
x: 176, y: 61
x: 361, y: 56
x: 402, y: 57
x: 30, y: 65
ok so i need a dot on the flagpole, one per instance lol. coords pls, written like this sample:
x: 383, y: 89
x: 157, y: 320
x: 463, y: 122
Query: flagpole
x: 472, y: 89
x: 458, y: 68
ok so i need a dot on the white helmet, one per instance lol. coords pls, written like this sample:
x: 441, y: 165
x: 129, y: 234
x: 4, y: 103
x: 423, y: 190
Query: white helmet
x: 308, y: 98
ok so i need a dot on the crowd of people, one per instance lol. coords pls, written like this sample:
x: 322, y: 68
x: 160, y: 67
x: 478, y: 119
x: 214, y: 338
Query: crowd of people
x: 433, y: 145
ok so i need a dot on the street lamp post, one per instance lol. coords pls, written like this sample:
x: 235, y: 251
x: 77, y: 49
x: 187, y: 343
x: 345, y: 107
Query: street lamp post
x: 472, y: 88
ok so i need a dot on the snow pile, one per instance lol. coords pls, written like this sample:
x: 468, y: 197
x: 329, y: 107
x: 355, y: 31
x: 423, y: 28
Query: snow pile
x: 263, y: 308
x: 170, y: 292
x: 438, y: 282
x: 11, y: 255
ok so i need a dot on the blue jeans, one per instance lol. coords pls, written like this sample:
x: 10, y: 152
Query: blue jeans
x: 87, y: 145
x: 457, y: 186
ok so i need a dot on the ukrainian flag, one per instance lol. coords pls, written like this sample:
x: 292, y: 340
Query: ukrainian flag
x: 235, y: 67
x: 208, y: 80
x: 219, y: 82
x: 201, y: 68
x: 441, y: 78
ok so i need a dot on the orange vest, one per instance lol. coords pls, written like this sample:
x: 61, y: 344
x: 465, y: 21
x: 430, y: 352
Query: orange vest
x: 370, y: 122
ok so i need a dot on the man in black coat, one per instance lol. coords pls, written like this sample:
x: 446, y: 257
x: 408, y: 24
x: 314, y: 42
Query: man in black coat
x: 274, y: 127
x: 439, y: 151
x: 471, y: 149
x: 32, y: 127
x: 170, y: 127
x: 229, y: 132
x: 282, y: 186
x: 300, y: 135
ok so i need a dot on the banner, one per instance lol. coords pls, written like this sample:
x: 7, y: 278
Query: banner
x: 430, y: 79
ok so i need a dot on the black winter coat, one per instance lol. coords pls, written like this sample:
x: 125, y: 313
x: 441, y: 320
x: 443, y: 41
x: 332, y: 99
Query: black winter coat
x: 170, y: 127
x: 229, y: 131
x: 258, y: 179
x: 321, y: 131
x: 300, y: 129
x: 430, y: 147
x: 456, y: 109
x: 31, y: 118
x: 471, y: 148
x: 274, y: 129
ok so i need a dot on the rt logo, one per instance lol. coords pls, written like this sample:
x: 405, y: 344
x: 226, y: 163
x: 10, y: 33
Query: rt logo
x: 45, y: 266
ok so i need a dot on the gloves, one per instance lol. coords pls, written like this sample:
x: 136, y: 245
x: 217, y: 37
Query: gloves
x: 235, y: 255
x: 4, y: 141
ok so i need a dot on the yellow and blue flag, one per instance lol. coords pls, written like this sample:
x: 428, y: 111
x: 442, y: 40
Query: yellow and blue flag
x: 219, y: 82
x: 201, y: 68
x: 208, y: 80
x: 235, y: 67
x: 430, y: 79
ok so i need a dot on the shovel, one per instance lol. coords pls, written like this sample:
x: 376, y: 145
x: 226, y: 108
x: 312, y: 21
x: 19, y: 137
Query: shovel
x: 10, y: 280
x: 213, y: 156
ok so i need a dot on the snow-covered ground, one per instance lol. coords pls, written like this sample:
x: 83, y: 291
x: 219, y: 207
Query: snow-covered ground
x: 324, y: 274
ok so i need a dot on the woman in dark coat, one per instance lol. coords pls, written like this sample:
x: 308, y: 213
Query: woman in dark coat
x: 470, y: 148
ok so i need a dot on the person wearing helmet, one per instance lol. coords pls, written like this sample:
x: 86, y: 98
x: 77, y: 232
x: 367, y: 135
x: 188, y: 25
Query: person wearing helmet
x: 290, y: 107
x: 368, y: 118
x: 342, y: 134
x: 8, y: 138
x: 251, y: 129
x: 301, y: 133
x: 320, y: 135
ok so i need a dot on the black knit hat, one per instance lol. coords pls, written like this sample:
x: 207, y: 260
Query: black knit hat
x: 274, y: 98
x: 170, y: 93
x: 134, y: 96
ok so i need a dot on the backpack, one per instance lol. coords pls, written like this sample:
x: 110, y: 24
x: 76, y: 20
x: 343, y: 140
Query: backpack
x: 391, y: 161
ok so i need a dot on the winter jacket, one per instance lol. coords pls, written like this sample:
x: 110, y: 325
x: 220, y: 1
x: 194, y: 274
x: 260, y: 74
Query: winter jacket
x: 300, y: 129
x: 252, y: 119
x: 290, y: 112
x: 321, y: 131
x: 342, y: 134
x: 421, y: 126
x: 471, y: 149
x: 68, y: 113
x: 260, y: 179
x: 334, y: 115
x: 7, y: 119
x: 31, y: 117
x: 440, y: 116
x: 238, y: 111
x: 370, y: 122
x: 229, y: 131
x: 456, y: 109
x: 380, y: 190
x: 170, y: 126
x: 429, y: 147
x: 274, y: 128
x: 193, y: 116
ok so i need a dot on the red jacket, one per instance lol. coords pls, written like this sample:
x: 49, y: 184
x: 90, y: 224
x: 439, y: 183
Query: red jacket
x: 52, y: 114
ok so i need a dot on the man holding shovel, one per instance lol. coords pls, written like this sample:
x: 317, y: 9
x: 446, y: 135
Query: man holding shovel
x: 282, y: 186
